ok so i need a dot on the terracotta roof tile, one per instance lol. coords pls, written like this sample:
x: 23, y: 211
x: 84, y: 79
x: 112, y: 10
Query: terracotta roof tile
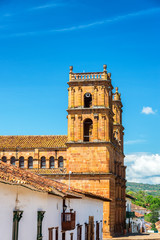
x: 51, y: 141
x: 137, y: 214
x: 157, y: 224
x: 130, y: 197
x: 135, y: 207
x: 17, y: 176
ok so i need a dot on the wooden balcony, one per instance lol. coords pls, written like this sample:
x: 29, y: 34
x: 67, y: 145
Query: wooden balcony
x: 68, y: 221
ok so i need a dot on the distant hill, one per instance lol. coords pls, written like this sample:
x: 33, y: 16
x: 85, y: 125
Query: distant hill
x: 151, y: 189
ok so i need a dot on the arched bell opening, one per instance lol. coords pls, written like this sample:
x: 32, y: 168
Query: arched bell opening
x: 87, y: 100
x: 87, y: 130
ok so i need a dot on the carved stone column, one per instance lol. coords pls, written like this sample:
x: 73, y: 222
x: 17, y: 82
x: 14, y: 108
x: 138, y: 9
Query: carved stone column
x: 95, y: 135
x: 103, y: 94
x: 72, y: 127
x: 103, y: 127
x: 95, y: 96
x: 79, y: 128
x: 107, y: 129
x: 72, y: 97
x: 79, y: 97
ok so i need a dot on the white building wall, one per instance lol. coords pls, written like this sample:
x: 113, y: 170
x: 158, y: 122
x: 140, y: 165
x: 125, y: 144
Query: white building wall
x: 31, y: 201
x: 128, y: 204
x: 84, y: 208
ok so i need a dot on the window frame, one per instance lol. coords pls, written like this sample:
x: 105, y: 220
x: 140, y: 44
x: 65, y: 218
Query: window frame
x: 43, y: 162
x: 21, y: 162
x: 61, y: 161
x: 51, y: 162
x: 4, y: 157
x: 40, y: 216
x: 17, y: 215
x: 13, y: 160
x: 30, y: 160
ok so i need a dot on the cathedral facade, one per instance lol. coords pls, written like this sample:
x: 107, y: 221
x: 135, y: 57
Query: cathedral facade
x: 91, y: 157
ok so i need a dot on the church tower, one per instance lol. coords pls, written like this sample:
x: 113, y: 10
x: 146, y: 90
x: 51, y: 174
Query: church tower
x: 95, y: 143
x: 90, y: 113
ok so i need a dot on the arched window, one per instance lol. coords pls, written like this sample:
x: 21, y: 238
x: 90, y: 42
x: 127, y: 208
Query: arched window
x: 87, y: 130
x: 30, y: 162
x: 51, y: 162
x: 13, y: 160
x: 60, y: 162
x: 21, y: 162
x: 43, y: 162
x: 87, y: 100
x: 4, y: 159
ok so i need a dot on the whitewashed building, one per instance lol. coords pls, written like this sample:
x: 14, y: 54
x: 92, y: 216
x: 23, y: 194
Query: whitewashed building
x: 36, y: 208
x: 134, y: 219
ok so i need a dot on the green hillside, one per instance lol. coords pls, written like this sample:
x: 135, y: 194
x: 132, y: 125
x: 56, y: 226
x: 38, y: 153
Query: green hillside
x: 150, y: 189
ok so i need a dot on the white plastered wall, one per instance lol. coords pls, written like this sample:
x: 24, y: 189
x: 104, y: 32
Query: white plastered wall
x: 31, y: 201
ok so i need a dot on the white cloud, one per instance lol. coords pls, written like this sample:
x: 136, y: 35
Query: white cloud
x: 143, y: 168
x: 148, y: 110
x: 130, y: 142
x: 51, y: 5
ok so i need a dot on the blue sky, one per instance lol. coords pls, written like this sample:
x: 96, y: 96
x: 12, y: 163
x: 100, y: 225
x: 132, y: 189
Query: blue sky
x: 39, y: 40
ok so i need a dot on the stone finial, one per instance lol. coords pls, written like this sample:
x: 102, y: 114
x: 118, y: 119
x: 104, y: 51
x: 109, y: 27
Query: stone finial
x: 104, y: 67
x: 71, y: 69
x: 109, y: 75
x: 117, y: 95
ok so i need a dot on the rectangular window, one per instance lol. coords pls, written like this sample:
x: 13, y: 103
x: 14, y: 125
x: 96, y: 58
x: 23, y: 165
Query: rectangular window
x: 17, y: 215
x: 71, y: 234
x: 97, y: 231
x: 56, y: 237
x: 52, y: 233
x: 79, y: 232
x: 40, y: 216
x: 86, y: 231
x: 63, y: 235
x: 91, y: 228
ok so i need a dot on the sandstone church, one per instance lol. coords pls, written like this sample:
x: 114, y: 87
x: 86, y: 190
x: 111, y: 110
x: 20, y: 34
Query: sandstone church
x: 91, y: 157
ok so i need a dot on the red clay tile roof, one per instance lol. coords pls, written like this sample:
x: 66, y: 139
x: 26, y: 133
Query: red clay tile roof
x: 130, y: 197
x: 51, y: 141
x: 157, y: 224
x: 16, y: 176
x: 137, y: 214
x: 135, y: 207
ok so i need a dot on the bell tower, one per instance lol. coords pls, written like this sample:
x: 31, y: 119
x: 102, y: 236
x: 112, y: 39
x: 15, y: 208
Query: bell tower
x: 90, y: 116
x: 95, y: 143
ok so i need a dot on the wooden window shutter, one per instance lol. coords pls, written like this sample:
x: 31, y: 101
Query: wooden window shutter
x: 91, y: 228
x: 86, y: 231
x: 97, y: 231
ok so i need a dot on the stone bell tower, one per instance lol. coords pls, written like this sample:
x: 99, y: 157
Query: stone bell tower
x: 95, y: 143
x: 90, y: 116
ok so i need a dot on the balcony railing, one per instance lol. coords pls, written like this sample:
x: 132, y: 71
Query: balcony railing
x: 68, y: 221
x: 83, y: 76
x: 130, y: 214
